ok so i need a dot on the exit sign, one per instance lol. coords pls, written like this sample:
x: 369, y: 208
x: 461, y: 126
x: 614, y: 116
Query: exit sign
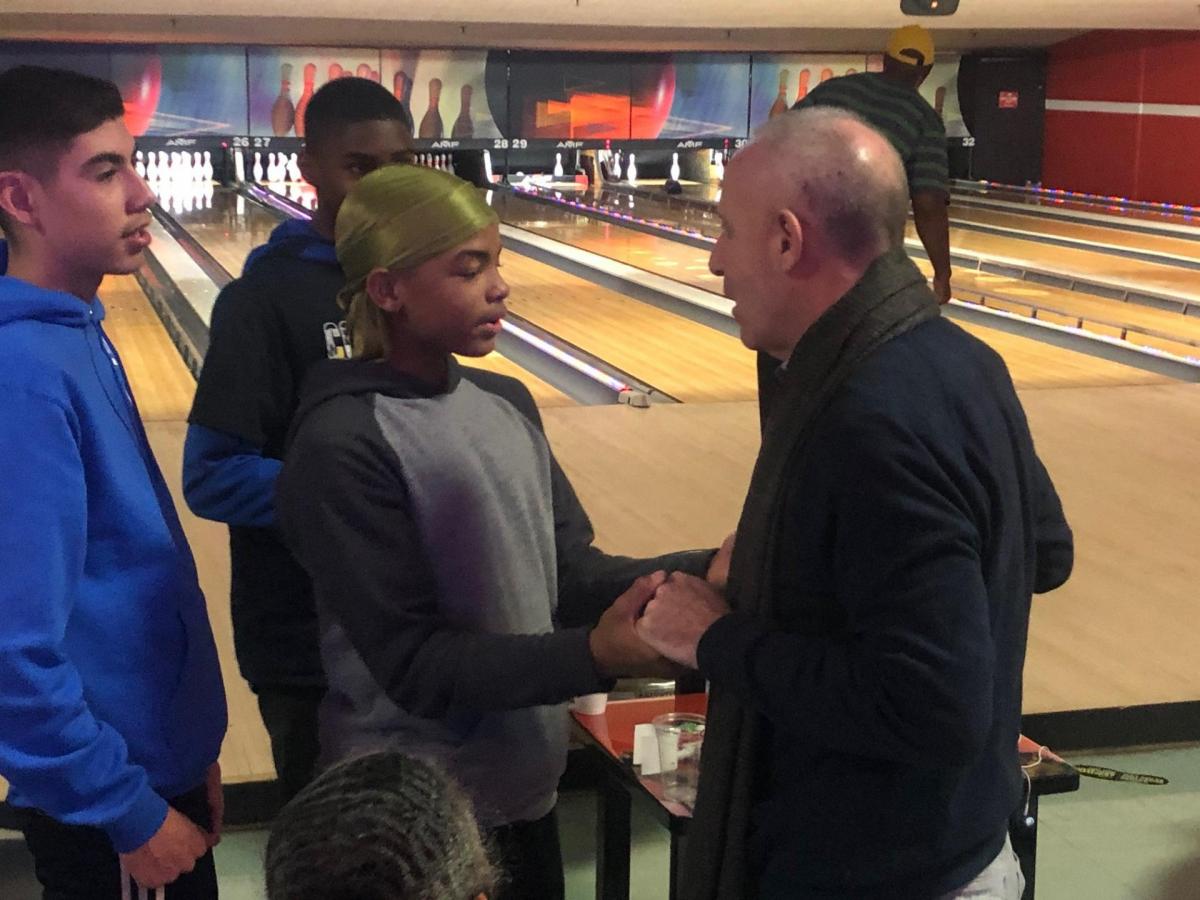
x: 1009, y: 99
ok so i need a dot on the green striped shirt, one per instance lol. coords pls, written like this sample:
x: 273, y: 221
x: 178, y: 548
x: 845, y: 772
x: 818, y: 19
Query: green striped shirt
x: 903, y: 116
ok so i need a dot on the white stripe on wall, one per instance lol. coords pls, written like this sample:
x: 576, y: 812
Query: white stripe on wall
x: 1188, y: 110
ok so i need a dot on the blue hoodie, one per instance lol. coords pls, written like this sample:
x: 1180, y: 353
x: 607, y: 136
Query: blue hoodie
x: 111, y: 696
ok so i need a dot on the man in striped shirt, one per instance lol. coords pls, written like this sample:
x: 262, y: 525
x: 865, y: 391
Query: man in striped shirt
x: 889, y: 101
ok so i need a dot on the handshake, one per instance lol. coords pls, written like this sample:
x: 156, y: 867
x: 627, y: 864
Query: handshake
x: 654, y: 628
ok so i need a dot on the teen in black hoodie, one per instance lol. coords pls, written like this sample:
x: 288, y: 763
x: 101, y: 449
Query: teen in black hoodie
x: 268, y: 327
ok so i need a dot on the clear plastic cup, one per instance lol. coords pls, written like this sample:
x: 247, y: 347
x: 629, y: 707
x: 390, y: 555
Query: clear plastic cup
x: 680, y: 738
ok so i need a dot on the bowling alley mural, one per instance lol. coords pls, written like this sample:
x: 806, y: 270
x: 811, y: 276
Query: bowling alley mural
x: 282, y: 80
x: 780, y: 81
x: 167, y: 90
x: 704, y: 95
x: 589, y: 97
x: 447, y: 92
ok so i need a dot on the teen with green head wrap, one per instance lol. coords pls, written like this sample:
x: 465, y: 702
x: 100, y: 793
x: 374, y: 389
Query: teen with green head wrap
x: 460, y: 597
x: 413, y: 242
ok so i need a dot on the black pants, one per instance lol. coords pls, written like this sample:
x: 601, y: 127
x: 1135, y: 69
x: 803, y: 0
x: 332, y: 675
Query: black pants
x: 290, y: 714
x: 531, y: 858
x: 75, y: 862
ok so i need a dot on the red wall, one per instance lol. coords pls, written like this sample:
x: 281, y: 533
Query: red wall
x: 1141, y: 156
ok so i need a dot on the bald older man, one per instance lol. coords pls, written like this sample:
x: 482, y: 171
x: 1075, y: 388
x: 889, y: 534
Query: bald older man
x: 866, y: 672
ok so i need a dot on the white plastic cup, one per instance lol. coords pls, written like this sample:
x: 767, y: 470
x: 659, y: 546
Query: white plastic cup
x: 680, y: 739
x: 591, y: 704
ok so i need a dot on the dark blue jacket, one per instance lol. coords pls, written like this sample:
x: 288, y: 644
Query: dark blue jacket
x: 914, y: 536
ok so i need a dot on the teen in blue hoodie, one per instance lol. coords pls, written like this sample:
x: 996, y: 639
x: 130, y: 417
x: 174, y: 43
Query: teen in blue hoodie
x: 112, y: 709
x: 268, y: 327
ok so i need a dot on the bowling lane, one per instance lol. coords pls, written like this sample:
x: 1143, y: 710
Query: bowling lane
x: 1033, y: 364
x: 663, y: 256
x: 1152, y: 327
x: 1060, y: 203
x: 689, y: 361
x: 1094, y: 265
x: 1185, y: 248
x: 229, y: 230
x: 235, y: 225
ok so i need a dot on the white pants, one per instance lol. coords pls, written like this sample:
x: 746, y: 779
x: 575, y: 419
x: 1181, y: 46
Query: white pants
x: 1001, y: 880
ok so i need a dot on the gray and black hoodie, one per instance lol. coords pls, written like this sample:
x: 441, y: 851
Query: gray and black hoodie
x: 455, y: 575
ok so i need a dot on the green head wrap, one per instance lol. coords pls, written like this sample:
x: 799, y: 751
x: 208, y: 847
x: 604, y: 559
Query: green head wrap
x: 396, y: 218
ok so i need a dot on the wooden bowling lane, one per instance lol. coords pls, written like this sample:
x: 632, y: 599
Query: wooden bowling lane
x: 1092, y: 265
x: 1119, y: 633
x: 661, y: 255
x: 1182, y: 247
x: 691, y: 362
x: 1151, y: 327
x: 544, y: 393
x: 231, y: 229
x: 1033, y: 364
x: 1145, y: 326
x: 1089, y: 265
x: 161, y: 382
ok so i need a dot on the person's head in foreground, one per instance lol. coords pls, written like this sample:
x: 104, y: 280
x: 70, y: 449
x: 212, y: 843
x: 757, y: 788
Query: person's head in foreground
x: 807, y: 207
x: 383, y: 826
x: 909, y: 55
x: 71, y: 205
x: 421, y: 252
x: 352, y: 126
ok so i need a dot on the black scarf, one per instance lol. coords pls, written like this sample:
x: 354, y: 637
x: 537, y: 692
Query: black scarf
x: 891, y: 298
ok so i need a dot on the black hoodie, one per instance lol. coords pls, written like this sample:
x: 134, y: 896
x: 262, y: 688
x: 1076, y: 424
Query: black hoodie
x: 268, y: 327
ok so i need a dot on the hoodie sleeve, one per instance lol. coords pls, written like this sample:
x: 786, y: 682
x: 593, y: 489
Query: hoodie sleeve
x: 345, y: 512
x: 56, y: 755
x: 227, y: 479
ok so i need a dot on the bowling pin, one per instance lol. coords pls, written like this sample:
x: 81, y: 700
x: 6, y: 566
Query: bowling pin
x: 335, y: 71
x: 675, y: 171
x: 258, y: 167
x: 207, y: 170
x: 363, y: 71
x: 720, y: 166
x: 558, y: 169
x: 163, y: 171
x: 802, y: 87
x: 431, y: 123
x: 152, y: 168
x: 487, y: 166
x: 283, y: 111
x: 631, y: 172
x: 616, y: 167
x: 294, y: 168
x: 239, y: 166
x: 780, y: 105
x: 310, y: 81
x: 197, y: 166
x: 826, y: 74
x: 139, y: 166
x: 463, y: 126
